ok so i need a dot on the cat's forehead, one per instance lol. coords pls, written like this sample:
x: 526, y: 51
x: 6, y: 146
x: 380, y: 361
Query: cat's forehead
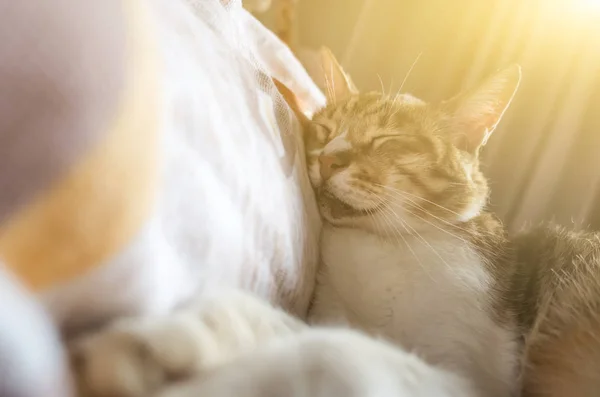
x: 364, y: 117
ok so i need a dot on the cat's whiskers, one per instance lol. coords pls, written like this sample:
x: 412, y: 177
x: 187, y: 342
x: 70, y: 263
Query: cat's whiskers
x: 404, y: 194
x: 409, y: 72
x: 409, y: 201
x: 399, y: 92
x: 380, y: 208
x: 398, y: 234
x: 405, y: 225
x: 381, y: 84
x: 412, y: 231
x: 424, y: 240
x: 389, y: 105
x: 483, y: 243
x: 395, y: 234
x: 429, y: 222
x: 391, y: 231
x: 378, y: 227
x: 483, y: 246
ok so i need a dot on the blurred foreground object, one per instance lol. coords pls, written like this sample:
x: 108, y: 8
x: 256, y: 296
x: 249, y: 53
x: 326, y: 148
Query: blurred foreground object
x: 118, y: 193
x: 31, y: 358
x: 77, y: 82
x: 130, y: 203
x: 69, y: 115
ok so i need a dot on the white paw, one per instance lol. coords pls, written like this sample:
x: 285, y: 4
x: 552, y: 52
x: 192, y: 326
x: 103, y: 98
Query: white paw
x: 325, y: 363
x: 139, y: 357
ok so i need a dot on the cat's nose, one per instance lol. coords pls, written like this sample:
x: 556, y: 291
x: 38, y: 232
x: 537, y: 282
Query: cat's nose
x: 330, y: 164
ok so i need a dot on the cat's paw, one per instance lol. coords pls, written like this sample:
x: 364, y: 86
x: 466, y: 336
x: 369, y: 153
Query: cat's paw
x: 138, y: 357
x: 326, y: 363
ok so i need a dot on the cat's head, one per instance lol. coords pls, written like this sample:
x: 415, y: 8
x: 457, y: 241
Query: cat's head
x: 397, y: 162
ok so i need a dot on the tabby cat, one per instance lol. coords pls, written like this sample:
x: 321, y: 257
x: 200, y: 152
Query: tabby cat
x: 407, y: 251
x: 410, y: 253
x: 409, y: 256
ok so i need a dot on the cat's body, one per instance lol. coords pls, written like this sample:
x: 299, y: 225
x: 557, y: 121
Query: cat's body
x: 234, y: 344
x: 435, y: 302
x: 402, y: 254
x: 408, y: 255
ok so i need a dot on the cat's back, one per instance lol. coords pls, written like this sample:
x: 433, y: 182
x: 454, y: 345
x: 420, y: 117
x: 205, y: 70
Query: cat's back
x: 557, y: 285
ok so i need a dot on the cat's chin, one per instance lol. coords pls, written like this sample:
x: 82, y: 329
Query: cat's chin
x: 334, y: 209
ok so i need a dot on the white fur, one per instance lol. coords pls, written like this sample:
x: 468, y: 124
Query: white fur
x: 431, y: 298
x: 328, y: 363
x: 232, y: 344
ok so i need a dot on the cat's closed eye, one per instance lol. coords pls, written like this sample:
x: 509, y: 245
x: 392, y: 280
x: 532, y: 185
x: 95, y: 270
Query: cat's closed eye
x: 399, y: 144
x: 380, y: 140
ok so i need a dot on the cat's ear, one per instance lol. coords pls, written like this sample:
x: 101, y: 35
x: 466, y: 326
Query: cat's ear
x: 477, y: 112
x: 338, y: 85
x: 292, y: 101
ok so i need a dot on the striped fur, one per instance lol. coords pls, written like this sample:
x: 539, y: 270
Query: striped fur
x: 401, y: 145
x: 546, y: 280
x: 557, y: 289
x: 406, y: 243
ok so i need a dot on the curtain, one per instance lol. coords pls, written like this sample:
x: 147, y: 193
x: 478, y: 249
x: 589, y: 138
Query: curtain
x: 543, y: 161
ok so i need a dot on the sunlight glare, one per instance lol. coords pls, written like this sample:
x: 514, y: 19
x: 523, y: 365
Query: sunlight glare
x: 588, y: 5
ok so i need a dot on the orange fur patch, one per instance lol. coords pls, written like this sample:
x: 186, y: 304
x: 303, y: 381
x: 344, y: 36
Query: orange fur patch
x: 95, y: 210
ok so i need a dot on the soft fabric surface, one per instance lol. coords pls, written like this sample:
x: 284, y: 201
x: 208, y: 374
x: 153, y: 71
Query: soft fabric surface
x: 171, y: 170
x: 230, y: 204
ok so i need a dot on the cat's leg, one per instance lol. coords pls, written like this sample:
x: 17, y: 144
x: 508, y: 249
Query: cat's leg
x: 325, y: 363
x: 137, y: 357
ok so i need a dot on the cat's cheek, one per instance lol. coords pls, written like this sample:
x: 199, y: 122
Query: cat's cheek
x: 339, y: 185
